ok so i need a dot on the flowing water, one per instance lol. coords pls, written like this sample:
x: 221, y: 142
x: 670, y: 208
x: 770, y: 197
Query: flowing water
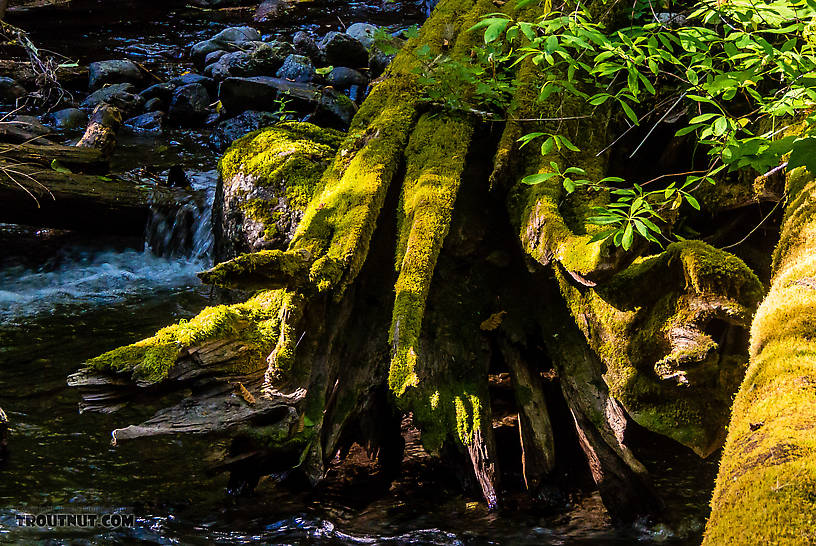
x: 66, y: 298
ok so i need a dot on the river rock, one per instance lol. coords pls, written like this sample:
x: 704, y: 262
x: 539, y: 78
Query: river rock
x: 10, y: 90
x: 120, y: 95
x: 342, y: 77
x: 191, y: 77
x: 363, y: 33
x: 150, y: 123
x: 267, y: 179
x: 189, y: 105
x: 155, y: 104
x: 263, y: 60
x: 161, y: 91
x: 260, y: 93
x: 296, y: 68
x: 379, y: 61
x: 234, y: 128
x: 68, y: 119
x: 343, y: 50
x: 114, y: 71
x: 224, y: 40
x: 214, y: 56
x: 305, y: 45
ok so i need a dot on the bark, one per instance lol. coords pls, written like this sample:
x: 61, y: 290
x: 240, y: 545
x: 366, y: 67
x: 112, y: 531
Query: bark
x: 83, y: 160
x: 764, y: 489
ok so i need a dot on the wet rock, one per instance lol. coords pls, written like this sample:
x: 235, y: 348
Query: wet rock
x: 343, y: 50
x: 68, y: 119
x: 190, y: 77
x: 32, y: 125
x: 120, y: 95
x: 379, y: 61
x: 114, y: 71
x: 161, y: 91
x: 224, y: 40
x: 10, y: 90
x: 305, y: 45
x: 296, y: 68
x: 177, y: 178
x: 363, y: 33
x: 342, y: 77
x: 150, y: 123
x: 260, y: 93
x: 356, y: 93
x: 155, y: 104
x: 189, y: 105
x: 264, y: 60
x: 214, y: 56
x: 234, y: 128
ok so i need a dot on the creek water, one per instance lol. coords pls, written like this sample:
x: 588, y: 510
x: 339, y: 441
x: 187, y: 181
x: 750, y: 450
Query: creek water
x: 77, y: 296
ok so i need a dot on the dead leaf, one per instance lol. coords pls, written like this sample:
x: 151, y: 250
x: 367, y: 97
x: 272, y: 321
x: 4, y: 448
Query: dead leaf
x: 245, y: 394
x: 493, y: 321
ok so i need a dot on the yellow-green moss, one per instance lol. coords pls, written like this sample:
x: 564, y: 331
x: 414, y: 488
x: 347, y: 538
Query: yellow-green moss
x: 288, y: 158
x: 767, y: 478
x: 267, y: 269
x: 670, y: 387
x: 435, y: 161
x: 256, y: 323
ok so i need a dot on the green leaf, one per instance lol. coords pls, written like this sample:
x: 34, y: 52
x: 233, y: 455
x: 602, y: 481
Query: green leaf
x: 691, y: 200
x: 324, y: 70
x: 803, y: 154
x: 547, y: 146
x: 602, y: 235
x: 628, y: 237
x: 59, y: 167
x: 629, y: 112
x: 534, y: 179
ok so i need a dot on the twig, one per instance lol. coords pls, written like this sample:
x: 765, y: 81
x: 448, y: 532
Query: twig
x: 755, y: 228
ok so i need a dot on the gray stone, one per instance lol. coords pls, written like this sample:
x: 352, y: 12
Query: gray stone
x: 296, y: 68
x: 343, y: 50
x: 190, y: 77
x: 155, y: 104
x: 363, y: 33
x: 305, y: 45
x: 162, y: 91
x: 114, y: 71
x: 264, y: 60
x: 214, y: 56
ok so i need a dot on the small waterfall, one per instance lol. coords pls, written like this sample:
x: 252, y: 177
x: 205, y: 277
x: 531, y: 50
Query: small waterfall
x: 180, y: 232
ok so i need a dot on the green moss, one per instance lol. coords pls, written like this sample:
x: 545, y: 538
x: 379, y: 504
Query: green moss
x: 668, y: 373
x: 765, y: 487
x: 255, y: 323
x: 435, y: 161
x: 288, y: 159
x: 267, y: 269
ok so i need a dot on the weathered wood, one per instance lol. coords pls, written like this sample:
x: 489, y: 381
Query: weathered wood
x: 601, y: 426
x: 102, y: 128
x: 535, y: 428
x: 87, y: 160
x: 40, y: 196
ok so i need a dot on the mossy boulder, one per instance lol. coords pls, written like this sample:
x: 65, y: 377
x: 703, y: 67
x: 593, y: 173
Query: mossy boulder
x: 267, y: 179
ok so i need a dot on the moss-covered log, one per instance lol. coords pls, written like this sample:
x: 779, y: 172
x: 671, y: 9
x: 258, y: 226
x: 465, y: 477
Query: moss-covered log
x: 764, y: 491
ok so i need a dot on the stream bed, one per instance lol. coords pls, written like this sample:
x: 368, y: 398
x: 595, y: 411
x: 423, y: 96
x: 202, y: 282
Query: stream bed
x: 80, y: 296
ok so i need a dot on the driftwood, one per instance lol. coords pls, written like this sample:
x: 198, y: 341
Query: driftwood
x: 102, y: 128
x: 88, y: 160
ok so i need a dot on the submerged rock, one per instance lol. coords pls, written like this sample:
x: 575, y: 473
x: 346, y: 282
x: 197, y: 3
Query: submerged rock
x: 114, y: 71
x: 267, y: 179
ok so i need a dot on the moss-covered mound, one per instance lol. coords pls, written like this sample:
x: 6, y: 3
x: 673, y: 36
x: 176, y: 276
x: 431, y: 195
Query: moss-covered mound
x: 267, y: 179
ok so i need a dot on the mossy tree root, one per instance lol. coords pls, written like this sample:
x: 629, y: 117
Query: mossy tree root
x: 764, y: 490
